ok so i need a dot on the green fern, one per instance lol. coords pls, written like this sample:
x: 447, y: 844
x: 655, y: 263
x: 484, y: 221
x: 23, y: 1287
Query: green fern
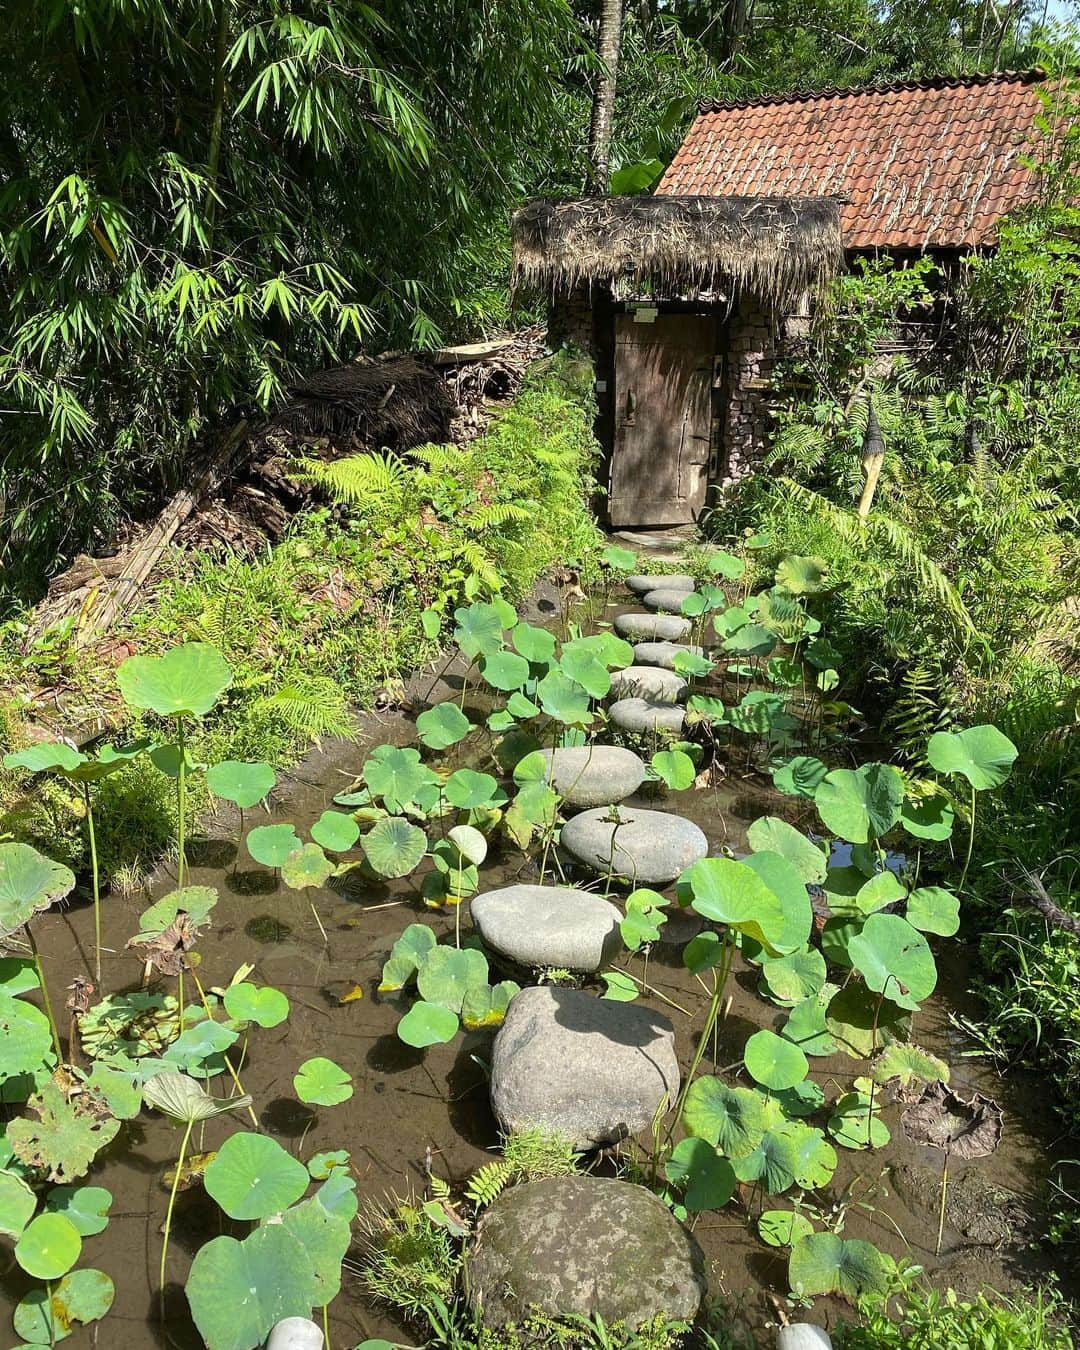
x: 356, y: 479
x: 488, y: 1182
x: 308, y: 706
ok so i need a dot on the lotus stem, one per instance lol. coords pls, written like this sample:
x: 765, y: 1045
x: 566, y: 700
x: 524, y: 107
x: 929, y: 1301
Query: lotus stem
x: 710, y: 1022
x: 181, y: 801
x: 45, y: 999
x: 95, y: 880
x: 941, y: 1208
x: 228, y: 1062
x: 971, y: 842
x: 168, y: 1218
x: 179, y: 1002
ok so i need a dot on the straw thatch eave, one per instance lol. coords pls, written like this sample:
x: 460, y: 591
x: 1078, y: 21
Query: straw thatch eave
x: 776, y: 248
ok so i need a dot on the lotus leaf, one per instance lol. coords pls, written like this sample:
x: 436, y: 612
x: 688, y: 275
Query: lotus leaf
x: 46, y: 1316
x: 243, y: 784
x: 25, y: 1038
x: 815, y: 1161
x: 675, y: 768
x: 983, y: 755
x: 860, y: 804
x: 505, y: 670
x: 751, y: 639
x: 705, y: 1179
x: 272, y: 844
x: 907, y: 1064
x: 479, y: 629
x: 467, y: 789
x: 239, y: 1291
x: 17, y: 1204
x: 883, y: 888
x: 783, y: 1227
x: 448, y: 973
x: 822, y: 655
x: 266, y: 1007
x: 485, y: 1005
x: 48, y: 1246
x: 306, y: 866
x: 622, y: 558
x: 564, y: 699
x: 67, y: 1135
x: 29, y: 883
x: 517, y: 705
x: 733, y: 1119
x: 427, y: 1024
x: 536, y: 645
x: 198, y: 1048
x: 320, y: 1165
x: 823, y: 1263
x: 761, y: 713
x: 407, y: 955
x: 185, y: 1101
x: 928, y: 817
x: 87, y: 1207
x: 186, y: 682
x: 121, y: 1090
x: 321, y: 1082
x: 801, y: 1100
x: 731, y: 893
x: 783, y: 879
x: 730, y: 620
x: 785, y: 672
x: 194, y: 901
x: 791, y: 979
x: 803, y: 576
x: 17, y: 975
x: 335, y: 831
x: 774, y: 1062
x: 537, y: 803
x: 836, y: 936
x: 861, y: 1022
x: 644, y: 917
x: 726, y: 565
x: 252, y: 1176
x: 396, y: 775
x: 703, y: 952
x: 806, y: 1027
x: 932, y: 909
x: 854, y: 1125
x: 772, y: 835
x: 325, y: 1238
x: 393, y: 847
x: 123, y: 1027
x: 775, y: 1160
x: 442, y: 726
x: 894, y: 959
x: 469, y: 842
x: 618, y: 988
x: 707, y: 708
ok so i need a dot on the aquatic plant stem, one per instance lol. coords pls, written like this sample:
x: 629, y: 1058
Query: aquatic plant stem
x: 52, y: 1315
x: 168, y: 1218
x: 45, y: 999
x: 228, y: 1062
x: 971, y: 842
x: 95, y: 877
x: 941, y: 1207
x: 326, y: 1324
x: 181, y: 801
x: 710, y: 1022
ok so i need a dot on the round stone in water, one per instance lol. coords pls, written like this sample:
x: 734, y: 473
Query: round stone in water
x: 649, y: 682
x: 647, y: 848
x: 594, y: 775
x: 554, y: 926
x: 662, y: 654
x: 645, y: 716
x: 653, y: 627
x: 675, y: 581
x: 665, y: 600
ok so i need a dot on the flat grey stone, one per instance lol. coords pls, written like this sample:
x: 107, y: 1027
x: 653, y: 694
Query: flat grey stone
x: 665, y: 600
x: 650, y: 848
x: 583, y: 1246
x: 674, y: 581
x: 653, y: 627
x: 548, y: 926
x: 663, y: 654
x: 595, y: 775
x: 588, y: 1068
x: 646, y: 715
x: 649, y: 682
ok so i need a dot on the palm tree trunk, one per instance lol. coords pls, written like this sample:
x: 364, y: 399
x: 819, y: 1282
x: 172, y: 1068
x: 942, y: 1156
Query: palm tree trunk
x: 604, y: 98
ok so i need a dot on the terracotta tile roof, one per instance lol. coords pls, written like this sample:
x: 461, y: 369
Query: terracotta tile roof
x: 924, y: 164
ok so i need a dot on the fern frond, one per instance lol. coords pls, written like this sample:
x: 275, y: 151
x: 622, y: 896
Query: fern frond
x: 358, y: 478
x: 309, y: 706
x: 497, y: 513
x: 486, y: 1184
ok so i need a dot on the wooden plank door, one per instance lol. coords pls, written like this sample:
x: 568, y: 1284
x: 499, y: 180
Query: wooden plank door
x: 663, y: 382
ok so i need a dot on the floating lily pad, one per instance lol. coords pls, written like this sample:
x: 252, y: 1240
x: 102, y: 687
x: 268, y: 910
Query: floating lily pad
x: 86, y: 1206
x: 320, y: 1165
x: 704, y: 1177
x: 272, y: 844
x: 46, y: 1316
x: 783, y: 1227
x: 266, y: 1007
x: 732, y: 1118
x: 769, y: 834
x: 48, y: 1246
x: 774, y: 1062
x: 396, y: 775
x: 243, y: 784
x: 427, y: 1024
x: 448, y: 973
x: 65, y: 1138
x: 335, y: 831
x: 321, y: 1082
x: 252, y: 1176
x: 239, y: 1291
x: 17, y: 1204
x: 393, y: 847
x: 29, y: 883
x: 306, y: 866
x: 823, y: 1263
x: 442, y: 726
x: 194, y: 901
x: 186, y: 682
x: 675, y: 768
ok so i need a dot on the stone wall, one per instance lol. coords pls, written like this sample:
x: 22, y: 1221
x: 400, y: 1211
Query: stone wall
x: 570, y: 320
x: 750, y: 352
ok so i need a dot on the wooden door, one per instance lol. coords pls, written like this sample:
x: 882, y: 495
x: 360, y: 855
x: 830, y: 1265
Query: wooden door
x: 663, y: 383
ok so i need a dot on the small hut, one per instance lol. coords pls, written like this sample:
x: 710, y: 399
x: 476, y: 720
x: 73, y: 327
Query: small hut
x: 685, y: 298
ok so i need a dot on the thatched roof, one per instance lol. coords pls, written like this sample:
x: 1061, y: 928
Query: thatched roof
x: 772, y: 247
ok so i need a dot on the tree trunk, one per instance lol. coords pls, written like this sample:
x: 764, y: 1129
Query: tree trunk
x: 604, y: 98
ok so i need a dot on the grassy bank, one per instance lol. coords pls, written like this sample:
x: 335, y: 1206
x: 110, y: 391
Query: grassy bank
x: 330, y: 617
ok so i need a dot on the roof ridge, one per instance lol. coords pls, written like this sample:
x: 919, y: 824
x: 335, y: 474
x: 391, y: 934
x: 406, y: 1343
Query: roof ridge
x: 1032, y: 76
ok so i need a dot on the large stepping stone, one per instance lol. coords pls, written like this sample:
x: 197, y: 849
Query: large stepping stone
x: 585, y: 1247
x: 664, y: 600
x: 587, y: 1068
x: 646, y: 716
x: 651, y: 848
x: 594, y: 775
x: 653, y: 627
x: 548, y: 926
x: 649, y: 682
x: 663, y: 654
x: 676, y: 581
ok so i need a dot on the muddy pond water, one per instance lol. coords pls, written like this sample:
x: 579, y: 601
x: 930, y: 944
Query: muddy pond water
x: 418, y: 1110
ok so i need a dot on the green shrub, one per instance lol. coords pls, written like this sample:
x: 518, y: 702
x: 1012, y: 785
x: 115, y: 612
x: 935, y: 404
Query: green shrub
x: 936, y: 1321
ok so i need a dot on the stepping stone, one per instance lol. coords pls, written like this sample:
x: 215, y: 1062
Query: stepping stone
x: 645, y: 716
x: 594, y: 775
x: 663, y: 654
x: 653, y: 627
x: 676, y: 581
x: 587, y: 1068
x: 667, y: 601
x: 583, y: 1246
x: 548, y: 926
x: 649, y: 682
x: 651, y: 848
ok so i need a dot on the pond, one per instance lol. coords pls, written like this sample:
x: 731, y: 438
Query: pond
x: 418, y: 1113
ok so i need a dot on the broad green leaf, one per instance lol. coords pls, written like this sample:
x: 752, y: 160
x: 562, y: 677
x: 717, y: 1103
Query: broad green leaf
x: 731, y: 893
x: 29, y: 883
x: 564, y: 699
x: 675, y: 768
x: 823, y: 1263
x: 806, y: 1027
x: 907, y: 1063
x: 184, y: 1101
x: 584, y: 667
x: 769, y: 834
x: 751, y: 639
x: 186, y: 682
x: 87, y: 1207
x: 894, y: 959
x: 485, y: 1005
x: 775, y: 1160
x: 306, y: 866
x: 479, y: 629
x: 252, y: 1176
x: 427, y: 1024
x: 406, y: 957
x: 48, y: 1246
x: 17, y: 1204
x: 194, y: 901
x: 928, y: 817
x: 983, y: 755
x: 335, y: 831
x: 802, y: 575
x: 536, y: 645
x: 442, y: 726
x: 614, y: 556
x: 448, y: 973
x: 321, y: 1082
x: 932, y: 909
x: 783, y: 1227
x: 815, y: 1159
x: 800, y: 776
x: 783, y: 879
x: 731, y: 1118
x: 272, y: 844
x: 243, y: 784
x: 320, y: 1165
x: 705, y: 1179
x: 17, y: 975
x: 505, y: 670
x: 467, y: 789
x: 860, y: 1022
x: 396, y: 775
x: 791, y: 979
x: 24, y: 1036
x: 81, y: 1296
x: 703, y: 952
x: 853, y: 1125
x: 239, y: 1291
x: 266, y: 1007
x: 619, y: 988
x: 393, y: 847
x: 726, y: 565
x: 325, y: 1237
x: 66, y: 1136
x: 774, y: 1062
x: 860, y: 804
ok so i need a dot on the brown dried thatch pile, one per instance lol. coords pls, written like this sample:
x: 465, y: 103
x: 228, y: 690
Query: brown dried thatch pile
x: 396, y: 401
x: 773, y: 247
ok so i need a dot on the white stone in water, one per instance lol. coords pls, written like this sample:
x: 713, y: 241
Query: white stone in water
x: 665, y: 600
x: 675, y: 581
x: 663, y: 653
x: 594, y: 775
x: 553, y: 926
x: 653, y: 627
x: 803, y: 1336
x: 646, y: 716
x: 649, y: 682
x: 591, y: 1069
x: 649, y: 848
